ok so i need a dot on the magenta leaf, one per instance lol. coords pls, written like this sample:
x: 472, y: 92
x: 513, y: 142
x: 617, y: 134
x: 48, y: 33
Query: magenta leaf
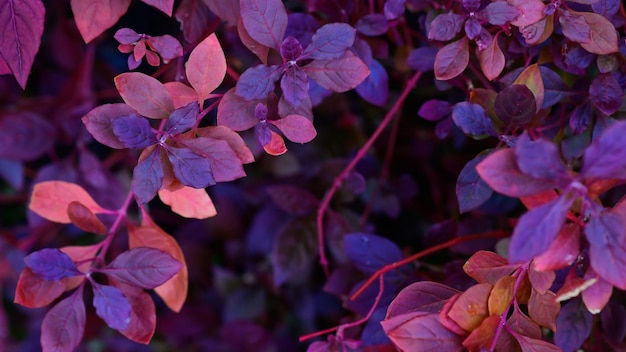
x: 472, y: 119
x: 235, y: 112
x: 500, y: 12
x: 143, y: 267
x: 445, y: 27
x: 258, y: 81
x: 290, y: 49
x: 393, y: 9
x: 331, y: 41
x: 596, y: 296
x: 372, y: 25
x: 296, y: 128
x: 265, y: 21
x: 23, y: 23
x: 420, y: 331
x: 295, y: 85
x: 25, y: 136
x: 63, y: 326
x: 98, y: 123
x: 607, y: 250
x: 294, y: 249
x: 370, y: 252
x: 191, y: 169
x: 549, y: 166
x: 167, y: 46
x: 606, y: 93
x: 575, y: 27
x: 339, y: 74
x: 183, y: 118
x: 375, y: 88
x: 605, y: 158
x: 452, y: 59
x: 471, y: 190
x: 224, y: 164
x: 134, y: 131
x: 148, y: 177
x: 51, y: 264
x: 422, y: 59
x: 573, y: 326
x: 111, y: 306
x: 126, y: 36
x: 422, y: 296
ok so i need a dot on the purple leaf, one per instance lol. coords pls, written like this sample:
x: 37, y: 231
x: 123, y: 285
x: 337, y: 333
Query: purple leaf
x: 549, y: 166
x: 294, y: 249
x: 471, y: 190
x: 472, y: 28
x: 183, y: 118
x: 126, y: 36
x: 258, y: 81
x: 370, y: 252
x: 445, y: 26
x: 372, y: 25
x: 339, y: 74
x: 500, y: 12
x: 290, y: 49
x: 134, y: 131
x: 25, y: 136
x: 296, y: 128
x: 51, y: 264
x: 265, y: 21
x: 422, y: 59
x: 515, y: 105
x: 191, y: 169
x: 375, y: 88
x: 148, y: 177
x: 331, y: 41
x: 472, y: 119
x: 393, y: 9
x: 12, y: 172
x: 613, y: 318
x: 575, y: 27
x: 301, y: 26
x: 263, y: 133
x: 167, y: 46
x: 554, y: 87
x: 423, y: 296
x: 605, y: 158
x: 143, y: 267
x: 452, y: 59
x: 235, y: 112
x: 500, y: 172
x: 295, y: 85
x: 421, y: 331
x: 434, y: 110
x: 537, y: 228
x: 23, y: 23
x: 580, y: 118
x: 606, y: 93
x: 606, y: 8
x: 224, y: 164
x: 607, y: 250
x: 294, y: 200
x: 573, y: 326
x: 63, y: 326
x: 111, y: 306
x: 471, y: 5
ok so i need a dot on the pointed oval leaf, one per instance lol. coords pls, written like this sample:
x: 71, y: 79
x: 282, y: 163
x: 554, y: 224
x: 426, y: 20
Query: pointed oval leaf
x: 235, y: 112
x: 134, y: 131
x: 50, y: 200
x: 142, y: 322
x: 51, y: 264
x: 607, y: 250
x: 296, y: 128
x: 191, y: 169
x: 375, y: 88
x: 372, y: 25
x: 605, y: 158
x: 370, y: 252
x: 145, y: 94
x: 596, y: 296
x: 294, y: 85
x: 492, y: 58
x: 233, y: 139
x: 98, y: 123
x: 84, y: 218
x: 166, y: 6
x: 606, y: 93
x: 33, y: 291
x: 93, y: 17
x: 563, y: 250
x: 63, y: 326
x: 206, y: 67
x: 573, y: 326
x: 181, y: 93
x: 258, y: 81
x: 515, y: 105
x: 487, y: 267
x: 530, y: 11
x: 422, y: 296
x: 470, y: 309
x: 148, y: 176
x: 500, y: 12
x: 604, y: 38
x: 183, y: 118
x: 471, y: 190
x: 189, y: 202
x: 223, y: 163
x: 331, y: 41
x: 532, y: 78
x: 501, y: 295
x: 472, y: 119
x: 338, y: 75
x: 111, y: 306
x: 574, y: 27
x: 420, y: 331
x: 543, y: 309
x: 143, y: 267
x: 452, y: 59
x: 549, y: 166
x: 445, y: 26
x: 482, y: 336
x: 265, y: 21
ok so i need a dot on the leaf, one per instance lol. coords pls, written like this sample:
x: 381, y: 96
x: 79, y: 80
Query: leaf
x: 483, y: 335
x: 541, y: 281
x: 189, y: 202
x: 85, y: 219
x: 63, y: 326
x: 487, y: 267
x: 276, y: 145
x: 491, y: 58
x: 445, y: 26
x: 549, y: 166
x: 93, y: 17
x: 372, y: 25
x: 532, y: 78
x: 292, y: 199
x: 173, y: 291
x: 111, y: 306
x: 543, y: 309
x: 572, y: 286
x: 142, y: 313
x: 331, y: 41
x: 596, y: 296
x: 166, y: 6
x: 606, y: 8
x: 607, y: 248
x: 539, y: 31
x: 296, y: 128
x: 375, y: 88
x: 500, y: 12
x: 563, y: 250
x: 50, y: 200
x: 422, y: 296
x: 338, y: 75
x: 606, y: 93
x: 227, y: 10
x: 265, y: 21
x: 422, y: 59
x: 500, y: 171
x: 501, y: 296
x: 258, y: 81
x: 420, y: 331
x: 574, y: 27
x: 452, y: 59
x: 145, y: 94
x: 393, y: 9
x: 369, y: 253
x: 573, y: 326
x: 529, y: 344
x: 133, y: 131
x: 471, y: 190
x: 605, y: 158
x: 126, y: 36
x: 99, y: 123
x: 233, y: 139
x: 294, y: 85
x: 446, y: 320
x: 33, y: 291
x: 148, y: 176
x: 223, y: 164
x: 530, y: 11
x: 522, y: 324
x: 235, y: 112
x: 167, y: 46
x: 515, y: 105
x: 181, y: 93
x: 294, y: 249
x: 470, y: 309
x: 604, y: 37
x: 191, y: 169
x: 290, y: 49
x: 26, y: 136
x: 472, y: 119
x: 182, y: 118
x: 206, y: 67
x: 23, y: 26
x: 258, y: 49
x: 143, y: 267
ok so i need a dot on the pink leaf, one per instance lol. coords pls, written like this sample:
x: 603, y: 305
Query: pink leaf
x: 181, y: 93
x: 296, y: 128
x: 145, y: 94
x: 63, y: 326
x: 340, y: 74
x: 236, y: 112
x: 604, y: 38
x: 98, y: 123
x: 21, y: 35
x: 487, y: 267
x: 543, y: 308
x: 96, y: 16
x: 597, y: 295
x: 452, y: 59
x: 224, y: 163
x: 530, y: 11
x: 234, y: 140
x: 189, y: 202
x: 50, y: 200
x: 491, y: 60
x: 265, y: 21
x: 206, y: 67
x: 164, y: 5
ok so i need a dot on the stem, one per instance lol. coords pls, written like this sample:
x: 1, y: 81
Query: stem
x: 520, y: 275
x: 121, y: 215
x: 360, y: 154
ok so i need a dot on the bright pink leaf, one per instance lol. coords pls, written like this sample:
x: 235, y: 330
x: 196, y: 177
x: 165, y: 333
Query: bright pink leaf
x: 50, y: 200
x: 96, y: 16
x: 143, y: 267
x: 470, y: 309
x: 164, y: 5
x: 296, y: 128
x: 63, y: 326
x: 265, y: 21
x: 452, y: 59
x: 530, y: 11
x: 338, y: 75
x: 206, y: 67
x: 145, y: 94
x: 189, y: 202
x: 563, y: 250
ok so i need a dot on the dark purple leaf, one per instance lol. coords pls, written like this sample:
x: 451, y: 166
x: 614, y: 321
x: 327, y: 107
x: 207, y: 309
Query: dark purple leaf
x: 258, y: 81
x: 25, y: 136
x: 294, y: 249
x: 445, y: 26
x: 265, y: 21
x: 111, y: 306
x: 423, y: 296
x: 98, y: 123
x: 483, y: 39
x: 134, y: 131
x: 443, y: 127
x: 605, y: 158
x: 500, y: 12
x: 331, y: 41
x: 471, y: 190
x: 372, y: 25
x: 227, y: 10
x: 554, y: 87
x: 339, y: 74
x: 223, y: 163
x: 301, y: 26
x: 167, y: 46
x: 148, y: 177
x: 580, y: 118
x: 422, y: 59
x: 191, y: 169
x: 51, y: 264
x: 235, y: 112
x: 472, y: 28
x: 471, y: 5
x: 393, y: 9
x: 607, y: 250
x: 434, y: 110
x: 575, y: 27
x: 548, y: 166
x: 63, y: 326
x: 472, y: 119
x: 290, y: 49
x: 12, y: 172
x: 421, y: 331
x: 183, y: 118
x: 606, y: 93
x: 263, y: 133
x: 369, y: 252
x: 613, y: 318
x: 295, y: 85
x: 373, y: 333
x: 573, y: 326
x: 375, y: 88
x: 515, y: 105
x: 292, y: 199
x: 143, y: 267
x: 606, y: 8
x: 196, y: 20
x: 126, y: 36
x: 452, y: 59
x: 537, y: 228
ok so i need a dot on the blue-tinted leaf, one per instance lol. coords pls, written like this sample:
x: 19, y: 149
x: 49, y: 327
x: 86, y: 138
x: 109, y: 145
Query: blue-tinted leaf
x: 606, y: 93
x: 370, y: 252
x: 580, y: 118
x: 606, y: 156
x: 500, y: 12
x: 375, y: 88
x: 290, y: 49
x: 258, y: 81
x: 422, y: 59
x: 434, y: 110
x: 63, y: 326
x: 472, y: 119
x: 554, y: 87
x: 265, y: 21
x: 613, y: 318
x: 393, y: 9
x: 25, y: 136
x: 295, y: 85
x: 445, y: 26
x: 471, y: 190
x: 606, y: 8
x: 443, y: 128
x: 548, y: 166
x: 111, y: 306
x: 183, y: 118
x: 331, y: 41
x: 372, y: 25
x: 223, y: 162
x: 294, y: 249
x: 607, y: 250
x: 148, y: 177
x: 537, y: 228
x: 143, y: 267
x: 191, y: 169
x: 339, y: 74
x: 472, y: 28
x: 575, y: 27
x: 12, y: 172
x: 134, y: 131
x: 373, y: 333
x: 51, y: 264
x: 573, y: 326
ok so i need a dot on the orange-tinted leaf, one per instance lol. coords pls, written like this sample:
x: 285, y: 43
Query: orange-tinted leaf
x: 206, y: 67
x: 95, y: 16
x: 174, y: 291
x: 233, y: 139
x: 50, y: 200
x: 604, y: 38
x: 84, y: 218
x: 482, y: 337
x: 543, y: 309
x: 491, y: 60
x: 470, y: 309
x: 33, y: 291
x: 145, y: 94
x: 189, y: 202
x: 573, y: 286
x: 276, y: 146
x: 446, y: 320
x: 501, y: 295
x: 531, y: 78
x: 142, y: 314
x: 523, y: 290
x: 487, y: 267
x: 181, y: 93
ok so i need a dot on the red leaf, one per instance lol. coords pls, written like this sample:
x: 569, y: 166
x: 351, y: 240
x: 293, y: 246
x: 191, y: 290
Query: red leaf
x: 234, y: 140
x: 562, y: 251
x: 296, y: 128
x: 63, y: 326
x: 206, y: 67
x: 536, y: 345
x: 338, y: 75
x: 265, y: 21
x: 164, y: 5
x: 491, y: 60
x: 420, y: 331
x: 96, y: 16
x: 470, y: 309
x: 452, y: 59
x: 33, y: 291
x: 98, y: 123
x: 85, y: 219
x: 145, y: 94
x: 422, y: 296
x: 573, y: 286
x: 22, y: 27
x: 540, y: 280
x: 543, y: 308
x: 50, y: 200
x: 448, y: 322
x: 276, y: 145
x: 487, y: 267
x: 189, y: 202
x: 142, y: 313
